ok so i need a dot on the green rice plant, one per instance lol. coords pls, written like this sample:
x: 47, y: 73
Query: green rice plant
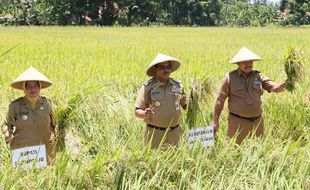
x: 193, y: 106
x: 64, y: 115
x: 294, y: 69
x: 200, y: 93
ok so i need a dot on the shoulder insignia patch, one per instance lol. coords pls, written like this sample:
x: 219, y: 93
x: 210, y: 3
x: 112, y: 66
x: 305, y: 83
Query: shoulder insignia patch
x: 175, y: 81
x: 148, y: 81
x: 18, y: 100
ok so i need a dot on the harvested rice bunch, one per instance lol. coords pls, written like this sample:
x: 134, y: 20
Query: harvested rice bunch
x: 200, y: 90
x: 293, y: 66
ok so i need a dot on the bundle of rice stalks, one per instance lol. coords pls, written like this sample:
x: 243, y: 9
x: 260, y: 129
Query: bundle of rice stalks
x: 207, y: 87
x: 199, y: 93
x: 293, y: 66
x: 63, y: 115
x: 193, y: 106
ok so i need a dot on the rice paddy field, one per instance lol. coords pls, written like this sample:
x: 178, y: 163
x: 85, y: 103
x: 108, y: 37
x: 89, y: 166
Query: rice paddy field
x: 98, y: 71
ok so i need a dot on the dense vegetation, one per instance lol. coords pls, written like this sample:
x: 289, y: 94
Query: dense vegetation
x: 150, y: 12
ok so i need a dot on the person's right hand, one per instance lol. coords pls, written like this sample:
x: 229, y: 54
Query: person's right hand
x: 148, y: 113
x: 8, y: 137
x: 215, y: 125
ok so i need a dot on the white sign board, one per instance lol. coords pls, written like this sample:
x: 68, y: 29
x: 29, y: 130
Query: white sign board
x: 28, y: 157
x: 203, y: 134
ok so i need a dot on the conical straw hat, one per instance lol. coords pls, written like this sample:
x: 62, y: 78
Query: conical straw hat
x: 245, y: 54
x: 31, y: 74
x: 161, y: 58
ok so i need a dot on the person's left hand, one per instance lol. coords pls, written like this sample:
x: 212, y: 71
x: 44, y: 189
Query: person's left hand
x: 183, y: 100
x: 61, y: 134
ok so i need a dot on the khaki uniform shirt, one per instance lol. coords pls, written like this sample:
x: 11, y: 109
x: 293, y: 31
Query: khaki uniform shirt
x: 30, y: 126
x: 244, y: 92
x: 164, y: 99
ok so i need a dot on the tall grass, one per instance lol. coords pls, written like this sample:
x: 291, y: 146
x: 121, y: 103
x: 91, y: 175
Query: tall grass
x: 105, y: 67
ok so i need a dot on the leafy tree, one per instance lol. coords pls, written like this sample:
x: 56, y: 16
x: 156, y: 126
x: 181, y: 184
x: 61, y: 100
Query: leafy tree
x: 294, y: 12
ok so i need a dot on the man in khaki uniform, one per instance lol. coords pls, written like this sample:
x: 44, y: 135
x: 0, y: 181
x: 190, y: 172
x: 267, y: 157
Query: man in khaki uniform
x: 30, y: 120
x: 159, y: 103
x: 244, y: 88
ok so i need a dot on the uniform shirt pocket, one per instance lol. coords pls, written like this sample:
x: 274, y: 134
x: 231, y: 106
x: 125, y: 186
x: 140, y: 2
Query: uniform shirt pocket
x: 156, y: 96
x: 238, y: 89
x: 257, y: 86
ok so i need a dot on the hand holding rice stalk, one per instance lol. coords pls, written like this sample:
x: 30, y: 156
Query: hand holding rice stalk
x: 293, y: 67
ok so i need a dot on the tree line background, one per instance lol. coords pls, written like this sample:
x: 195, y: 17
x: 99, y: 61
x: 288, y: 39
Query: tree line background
x: 154, y: 12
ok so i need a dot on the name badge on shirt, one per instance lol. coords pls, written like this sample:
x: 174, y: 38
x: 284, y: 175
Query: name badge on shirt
x: 155, y: 92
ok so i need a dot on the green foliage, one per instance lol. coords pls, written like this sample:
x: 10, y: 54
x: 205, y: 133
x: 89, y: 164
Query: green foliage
x: 295, y: 12
x: 242, y: 13
x: 140, y: 12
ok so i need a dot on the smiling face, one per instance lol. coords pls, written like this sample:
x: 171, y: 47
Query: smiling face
x: 32, y: 89
x: 163, y: 71
x: 245, y: 66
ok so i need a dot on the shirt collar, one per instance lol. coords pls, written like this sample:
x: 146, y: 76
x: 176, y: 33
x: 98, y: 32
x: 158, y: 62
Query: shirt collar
x: 240, y: 73
x: 170, y: 82
x: 38, y: 104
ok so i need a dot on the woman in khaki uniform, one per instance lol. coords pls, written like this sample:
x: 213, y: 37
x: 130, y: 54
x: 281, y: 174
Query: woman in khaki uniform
x: 30, y: 119
x: 159, y: 103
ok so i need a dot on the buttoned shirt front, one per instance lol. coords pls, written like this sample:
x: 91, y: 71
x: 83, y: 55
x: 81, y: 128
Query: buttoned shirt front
x: 164, y: 99
x: 244, y: 92
x: 29, y: 125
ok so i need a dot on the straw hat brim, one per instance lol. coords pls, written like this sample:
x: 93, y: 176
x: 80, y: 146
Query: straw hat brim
x: 174, y: 66
x: 243, y: 60
x: 243, y: 55
x: 31, y: 74
x: 20, y: 85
